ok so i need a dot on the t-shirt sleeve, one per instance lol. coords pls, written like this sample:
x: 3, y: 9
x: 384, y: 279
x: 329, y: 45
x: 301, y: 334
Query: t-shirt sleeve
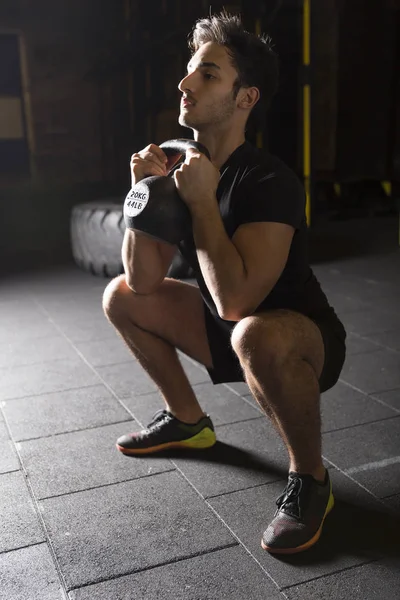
x: 279, y: 198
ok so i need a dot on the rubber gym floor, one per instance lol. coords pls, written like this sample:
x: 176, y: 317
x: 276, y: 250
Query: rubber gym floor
x: 81, y: 521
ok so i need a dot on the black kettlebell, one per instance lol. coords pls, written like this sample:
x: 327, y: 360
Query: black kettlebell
x: 154, y: 207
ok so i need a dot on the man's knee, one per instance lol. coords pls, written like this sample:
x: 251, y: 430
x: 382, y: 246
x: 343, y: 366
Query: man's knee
x: 259, y: 343
x: 115, y: 296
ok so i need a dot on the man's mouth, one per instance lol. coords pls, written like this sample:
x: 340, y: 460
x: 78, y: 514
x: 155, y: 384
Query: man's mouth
x: 187, y: 102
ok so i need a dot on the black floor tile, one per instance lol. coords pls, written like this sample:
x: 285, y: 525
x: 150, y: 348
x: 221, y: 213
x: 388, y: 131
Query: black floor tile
x: 31, y: 352
x: 87, y: 330
x: 129, y: 378
x: 66, y: 291
x: 101, y: 353
x: 226, y: 574
x: 8, y: 458
x: 373, y: 372
x: 76, y: 461
x: 391, y: 397
x: 123, y: 528
x: 370, y: 453
x: 51, y: 376
x: 368, y: 322
x: 221, y: 404
x: 370, y: 288
x: 389, y: 339
x: 61, y: 412
x: 355, y: 531
x: 195, y: 372
x: 65, y: 309
x: 342, y: 406
x: 29, y: 573
x: 21, y: 329
x: 19, y: 524
x: 394, y: 503
x: 64, y: 281
x: 239, y: 386
x: 13, y: 306
x: 374, y: 580
x: 359, y: 345
x: 345, y: 303
x: 247, y: 454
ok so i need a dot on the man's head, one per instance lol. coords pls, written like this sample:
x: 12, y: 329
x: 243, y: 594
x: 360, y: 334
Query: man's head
x: 231, y: 74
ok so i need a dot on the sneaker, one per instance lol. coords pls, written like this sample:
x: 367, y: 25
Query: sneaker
x: 166, y: 431
x: 302, y: 508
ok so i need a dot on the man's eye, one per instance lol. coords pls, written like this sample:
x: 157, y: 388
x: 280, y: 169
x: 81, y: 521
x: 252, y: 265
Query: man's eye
x: 208, y: 76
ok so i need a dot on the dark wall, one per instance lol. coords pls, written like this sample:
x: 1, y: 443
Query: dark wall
x: 60, y: 42
x: 366, y: 72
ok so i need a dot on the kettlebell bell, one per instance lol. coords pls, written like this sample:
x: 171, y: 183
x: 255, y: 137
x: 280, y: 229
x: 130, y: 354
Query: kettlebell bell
x: 154, y: 207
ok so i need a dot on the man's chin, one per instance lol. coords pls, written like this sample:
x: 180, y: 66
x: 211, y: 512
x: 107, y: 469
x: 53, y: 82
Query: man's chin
x: 184, y: 121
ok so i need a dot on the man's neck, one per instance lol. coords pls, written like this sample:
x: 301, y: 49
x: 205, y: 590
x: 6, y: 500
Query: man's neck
x: 220, y: 146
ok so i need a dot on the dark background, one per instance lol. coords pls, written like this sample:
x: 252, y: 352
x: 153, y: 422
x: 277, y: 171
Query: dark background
x: 98, y: 81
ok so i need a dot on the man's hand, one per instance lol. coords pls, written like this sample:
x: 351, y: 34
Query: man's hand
x: 149, y: 161
x: 197, y: 181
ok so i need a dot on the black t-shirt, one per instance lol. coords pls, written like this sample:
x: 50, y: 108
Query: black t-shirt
x: 254, y: 187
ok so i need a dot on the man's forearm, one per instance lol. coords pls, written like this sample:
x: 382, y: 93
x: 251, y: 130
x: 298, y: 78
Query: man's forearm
x: 221, y: 264
x: 143, y: 262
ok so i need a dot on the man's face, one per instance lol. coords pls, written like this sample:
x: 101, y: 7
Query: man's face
x: 207, y: 89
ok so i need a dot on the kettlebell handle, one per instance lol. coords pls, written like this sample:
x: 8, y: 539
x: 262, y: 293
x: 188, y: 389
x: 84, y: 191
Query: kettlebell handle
x: 153, y: 206
x: 180, y: 145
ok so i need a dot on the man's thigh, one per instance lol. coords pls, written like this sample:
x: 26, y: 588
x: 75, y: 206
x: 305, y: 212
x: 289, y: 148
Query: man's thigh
x: 174, y: 312
x: 289, y: 333
x: 296, y: 334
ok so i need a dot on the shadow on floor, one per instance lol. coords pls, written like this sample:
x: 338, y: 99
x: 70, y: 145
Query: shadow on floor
x: 352, y: 530
x: 228, y: 455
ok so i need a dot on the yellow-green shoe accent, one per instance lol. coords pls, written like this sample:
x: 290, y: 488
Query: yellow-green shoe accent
x: 167, y: 432
x: 299, y: 519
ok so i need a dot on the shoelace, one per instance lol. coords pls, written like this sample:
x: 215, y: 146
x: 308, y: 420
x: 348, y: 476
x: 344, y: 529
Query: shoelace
x: 290, y: 496
x: 159, y: 418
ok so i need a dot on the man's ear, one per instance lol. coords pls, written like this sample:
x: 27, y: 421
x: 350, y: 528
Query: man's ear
x: 248, y: 97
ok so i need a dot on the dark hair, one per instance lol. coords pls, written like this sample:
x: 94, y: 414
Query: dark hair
x: 251, y: 55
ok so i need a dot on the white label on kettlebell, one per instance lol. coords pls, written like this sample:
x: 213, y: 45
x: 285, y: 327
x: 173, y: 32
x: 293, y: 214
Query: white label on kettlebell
x: 136, y: 201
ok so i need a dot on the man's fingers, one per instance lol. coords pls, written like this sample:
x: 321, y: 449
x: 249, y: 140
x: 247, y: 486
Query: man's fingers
x: 153, y: 158
x: 157, y: 152
x: 148, y: 157
x: 148, y: 169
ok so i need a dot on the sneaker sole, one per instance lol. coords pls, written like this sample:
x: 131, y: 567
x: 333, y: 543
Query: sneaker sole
x: 206, y: 438
x: 311, y: 542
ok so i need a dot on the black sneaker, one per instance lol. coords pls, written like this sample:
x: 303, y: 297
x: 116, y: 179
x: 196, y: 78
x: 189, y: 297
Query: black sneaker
x: 166, y: 431
x: 302, y: 508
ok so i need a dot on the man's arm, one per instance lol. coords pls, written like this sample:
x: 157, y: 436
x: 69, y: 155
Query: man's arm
x: 146, y: 261
x: 241, y: 272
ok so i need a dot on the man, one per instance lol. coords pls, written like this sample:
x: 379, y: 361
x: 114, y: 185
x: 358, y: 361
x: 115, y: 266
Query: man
x: 258, y: 313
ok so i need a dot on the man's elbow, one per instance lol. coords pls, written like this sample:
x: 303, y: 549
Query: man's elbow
x: 234, y: 312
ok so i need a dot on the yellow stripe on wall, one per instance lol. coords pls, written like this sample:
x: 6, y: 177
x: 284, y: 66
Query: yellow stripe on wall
x: 307, y: 111
x: 387, y: 187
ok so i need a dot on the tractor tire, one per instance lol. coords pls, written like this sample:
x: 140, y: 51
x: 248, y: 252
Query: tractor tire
x: 97, y: 230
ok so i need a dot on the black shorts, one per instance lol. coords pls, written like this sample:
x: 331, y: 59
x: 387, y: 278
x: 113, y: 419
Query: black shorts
x: 226, y: 366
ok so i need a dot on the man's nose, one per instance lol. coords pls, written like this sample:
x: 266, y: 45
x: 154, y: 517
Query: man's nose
x: 186, y: 83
